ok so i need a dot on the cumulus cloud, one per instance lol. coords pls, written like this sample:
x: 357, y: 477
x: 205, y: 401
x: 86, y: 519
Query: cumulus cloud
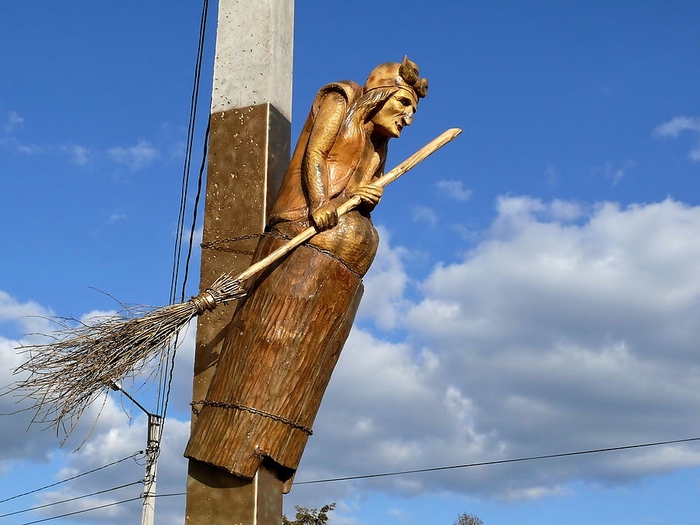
x: 134, y: 157
x: 29, y: 315
x: 385, y: 283
x: 119, y: 443
x: 119, y: 432
x: 568, y: 327
x: 16, y: 320
x: 677, y: 125
x: 454, y: 189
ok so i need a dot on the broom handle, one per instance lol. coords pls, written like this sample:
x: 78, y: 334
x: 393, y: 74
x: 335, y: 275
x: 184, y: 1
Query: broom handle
x: 352, y: 202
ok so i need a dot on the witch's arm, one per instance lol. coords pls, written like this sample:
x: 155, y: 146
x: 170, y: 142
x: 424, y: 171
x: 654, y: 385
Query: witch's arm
x: 370, y: 193
x: 315, y: 173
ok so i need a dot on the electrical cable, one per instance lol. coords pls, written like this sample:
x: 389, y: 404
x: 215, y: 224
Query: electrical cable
x: 198, y: 196
x: 171, y: 368
x: 188, y: 149
x: 82, y: 511
x: 132, y: 456
x: 398, y: 473
x: 499, y: 461
x: 167, y: 370
x: 171, y: 495
x: 71, y: 499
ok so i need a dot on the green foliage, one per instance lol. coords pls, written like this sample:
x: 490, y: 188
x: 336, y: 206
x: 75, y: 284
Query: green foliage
x: 468, y: 519
x: 310, y: 516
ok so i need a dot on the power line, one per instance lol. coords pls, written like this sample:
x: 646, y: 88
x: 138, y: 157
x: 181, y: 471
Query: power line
x: 71, y: 499
x: 195, y: 207
x: 171, y: 494
x: 364, y: 476
x: 171, y: 366
x: 82, y: 511
x: 132, y: 456
x: 188, y: 150
x: 499, y: 461
x: 166, y: 372
x: 99, y: 506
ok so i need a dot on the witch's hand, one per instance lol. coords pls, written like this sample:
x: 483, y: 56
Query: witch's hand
x: 369, y: 194
x: 325, y: 216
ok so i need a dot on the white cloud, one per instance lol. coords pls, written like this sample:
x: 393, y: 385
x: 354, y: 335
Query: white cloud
x: 24, y: 314
x: 134, y: 157
x: 454, y: 189
x: 678, y: 125
x: 544, y: 339
x: 384, y: 285
x: 424, y: 214
x: 19, y: 445
x: 114, y: 439
x: 565, y: 210
x: 119, y: 432
x: 78, y: 155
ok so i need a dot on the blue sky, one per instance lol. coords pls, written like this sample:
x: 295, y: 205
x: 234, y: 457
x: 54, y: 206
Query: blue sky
x: 536, y: 289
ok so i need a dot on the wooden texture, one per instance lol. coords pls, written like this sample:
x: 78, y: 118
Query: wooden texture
x: 354, y: 201
x: 297, y: 320
x: 249, y: 152
x: 284, y: 340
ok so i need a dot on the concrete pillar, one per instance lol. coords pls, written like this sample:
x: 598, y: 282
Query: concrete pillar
x: 249, y: 148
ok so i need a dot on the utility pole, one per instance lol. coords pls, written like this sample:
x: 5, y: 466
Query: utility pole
x: 153, y: 435
x: 149, y: 481
x: 249, y: 148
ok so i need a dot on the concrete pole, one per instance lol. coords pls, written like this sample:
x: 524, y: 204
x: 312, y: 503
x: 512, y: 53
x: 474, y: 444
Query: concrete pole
x: 149, y: 482
x: 153, y: 436
x: 248, y: 153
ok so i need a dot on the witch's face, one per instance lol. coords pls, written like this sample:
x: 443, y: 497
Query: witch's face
x: 396, y: 113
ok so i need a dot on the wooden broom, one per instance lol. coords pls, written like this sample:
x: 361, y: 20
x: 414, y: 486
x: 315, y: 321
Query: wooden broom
x: 67, y: 374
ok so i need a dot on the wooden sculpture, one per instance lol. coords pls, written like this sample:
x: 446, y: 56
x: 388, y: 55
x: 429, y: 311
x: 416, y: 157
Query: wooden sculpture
x: 286, y: 336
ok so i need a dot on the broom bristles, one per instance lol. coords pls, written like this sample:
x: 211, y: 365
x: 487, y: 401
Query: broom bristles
x: 69, y: 373
x: 82, y: 362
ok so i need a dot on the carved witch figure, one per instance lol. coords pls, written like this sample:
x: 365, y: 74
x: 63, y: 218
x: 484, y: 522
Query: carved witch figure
x: 286, y: 337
